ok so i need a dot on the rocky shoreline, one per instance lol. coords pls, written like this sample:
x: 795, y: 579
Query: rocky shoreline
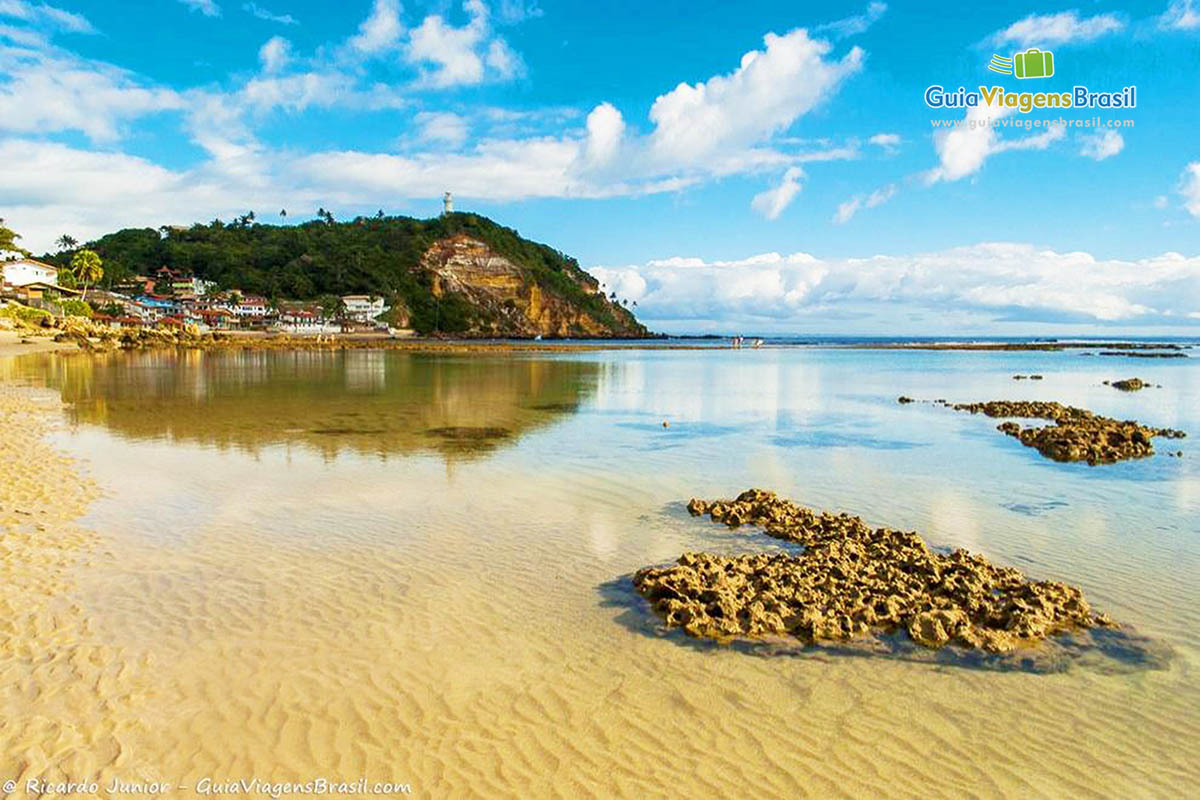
x: 852, y: 582
x: 1076, y: 435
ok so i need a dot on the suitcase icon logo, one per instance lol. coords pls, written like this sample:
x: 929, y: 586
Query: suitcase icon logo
x: 1033, y: 63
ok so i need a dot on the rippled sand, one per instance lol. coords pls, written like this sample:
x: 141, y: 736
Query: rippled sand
x: 474, y: 634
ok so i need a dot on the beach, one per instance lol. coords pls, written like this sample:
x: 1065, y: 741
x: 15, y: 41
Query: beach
x: 415, y: 569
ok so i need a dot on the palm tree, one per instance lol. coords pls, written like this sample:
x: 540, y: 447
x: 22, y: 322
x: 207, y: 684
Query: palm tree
x: 66, y: 242
x: 8, y: 241
x: 88, y: 268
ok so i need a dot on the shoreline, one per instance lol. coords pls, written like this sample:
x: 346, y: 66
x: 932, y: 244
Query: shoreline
x: 16, y: 343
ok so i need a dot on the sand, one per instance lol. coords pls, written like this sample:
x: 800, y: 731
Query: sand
x: 473, y: 638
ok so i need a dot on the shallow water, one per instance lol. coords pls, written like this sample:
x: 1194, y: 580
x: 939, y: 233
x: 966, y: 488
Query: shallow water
x: 415, y: 568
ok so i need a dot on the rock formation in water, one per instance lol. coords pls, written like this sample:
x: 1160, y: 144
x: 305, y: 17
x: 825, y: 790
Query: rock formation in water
x: 854, y: 581
x: 1077, y: 434
x: 1129, y: 384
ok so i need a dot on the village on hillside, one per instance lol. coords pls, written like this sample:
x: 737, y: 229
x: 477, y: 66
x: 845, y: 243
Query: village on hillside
x: 175, y: 298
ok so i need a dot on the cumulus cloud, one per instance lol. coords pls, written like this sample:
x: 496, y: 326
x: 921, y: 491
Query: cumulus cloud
x: 553, y: 152
x: 265, y: 14
x: 963, y: 150
x: 46, y: 15
x: 853, y: 25
x: 605, y: 128
x: 1181, y: 15
x: 1189, y: 188
x: 772, y: 202
x: 275, y: 54
x: 457, y: 56
x: 846, y: 211
x: 989, y: 283
x: 767, y: 93
x: 1053, y: 29
x: 208, y: 8
x: 1102, y: 145
x: 51, y: 90
x: 381, y: 30
x: 444, y: 127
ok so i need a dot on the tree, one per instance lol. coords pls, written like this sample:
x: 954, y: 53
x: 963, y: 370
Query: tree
x: 283, y: 213
x: 66, y: 242
x: 8, y: 241
x: 88, y: 268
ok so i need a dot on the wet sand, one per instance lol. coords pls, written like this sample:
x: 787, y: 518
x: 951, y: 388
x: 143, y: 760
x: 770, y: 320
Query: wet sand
x: 474, y: 634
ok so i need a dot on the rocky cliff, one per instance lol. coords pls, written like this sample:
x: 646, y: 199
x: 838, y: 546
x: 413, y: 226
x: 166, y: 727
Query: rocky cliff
x: 506, y: 300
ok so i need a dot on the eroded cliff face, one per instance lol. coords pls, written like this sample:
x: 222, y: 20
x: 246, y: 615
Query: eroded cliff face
x: 507, y: 300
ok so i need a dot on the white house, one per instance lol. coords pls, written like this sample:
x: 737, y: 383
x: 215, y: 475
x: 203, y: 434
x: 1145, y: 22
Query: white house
x: 362, y: 307
x: 25, y: 271
x: 301, y: 321
x: 251, y: 307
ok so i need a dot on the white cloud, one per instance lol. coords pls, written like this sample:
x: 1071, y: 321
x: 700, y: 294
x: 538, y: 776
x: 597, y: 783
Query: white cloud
x: 963, y: 150
x: 772, y: 202
x: 1189, y: 188
x: 1161, y: 201
x: 208, y: 8
x: 846, y: 211
x: 50, y: 91
x: 381, y: 30
x: 1054, y: 29
x: 988, y: 284
x: 605, y: 128
x: 1181, y: 15
x: 275, y: 54
x: 442, y: 126
x: 763, y: 96
x: 45, y: 14
x: 852, y: 26
x: 461, y: 56
x: 1102, y: 145
x: 888, y: 141
x: 551, y: 152
x: 268, y: 15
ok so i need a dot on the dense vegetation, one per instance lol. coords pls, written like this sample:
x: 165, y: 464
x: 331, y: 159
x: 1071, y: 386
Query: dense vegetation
x: 369, y: 255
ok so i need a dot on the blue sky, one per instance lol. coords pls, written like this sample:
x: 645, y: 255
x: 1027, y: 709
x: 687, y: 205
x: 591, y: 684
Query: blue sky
x: 751, y: 166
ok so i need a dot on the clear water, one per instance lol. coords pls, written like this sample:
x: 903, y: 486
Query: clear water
x: 483, y: 514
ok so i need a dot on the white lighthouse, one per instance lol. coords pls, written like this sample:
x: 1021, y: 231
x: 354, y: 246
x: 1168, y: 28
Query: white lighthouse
x: 447, y: 204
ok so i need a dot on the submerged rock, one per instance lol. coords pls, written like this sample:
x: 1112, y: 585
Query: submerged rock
x: 853, y: 581
x: 1077, y: 434
x: 1129, y: 384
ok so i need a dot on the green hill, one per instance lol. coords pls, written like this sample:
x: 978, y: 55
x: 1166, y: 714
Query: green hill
x: 508, y: 286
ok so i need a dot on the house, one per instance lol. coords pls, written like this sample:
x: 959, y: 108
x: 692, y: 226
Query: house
x: 180, y: 283
x: 40, y: 290
x: 138, y: 284
x: 215, y: 318
x: 295, y: 320
x: 362, y: 307
x: 251, y: 307
x: 25, y: 271
x: 155, y: 308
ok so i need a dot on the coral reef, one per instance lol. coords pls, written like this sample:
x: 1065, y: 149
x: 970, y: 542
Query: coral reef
x: 1077, y: 434
x: 854, y: 581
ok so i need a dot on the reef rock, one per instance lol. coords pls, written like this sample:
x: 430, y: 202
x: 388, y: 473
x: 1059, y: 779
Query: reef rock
x: 1076, y: 435
x: 853, y: 581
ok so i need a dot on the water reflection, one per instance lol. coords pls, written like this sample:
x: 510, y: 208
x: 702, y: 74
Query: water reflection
x: 369, y: 402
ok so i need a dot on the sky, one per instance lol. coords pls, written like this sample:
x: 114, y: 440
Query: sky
x: 753, y: 167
